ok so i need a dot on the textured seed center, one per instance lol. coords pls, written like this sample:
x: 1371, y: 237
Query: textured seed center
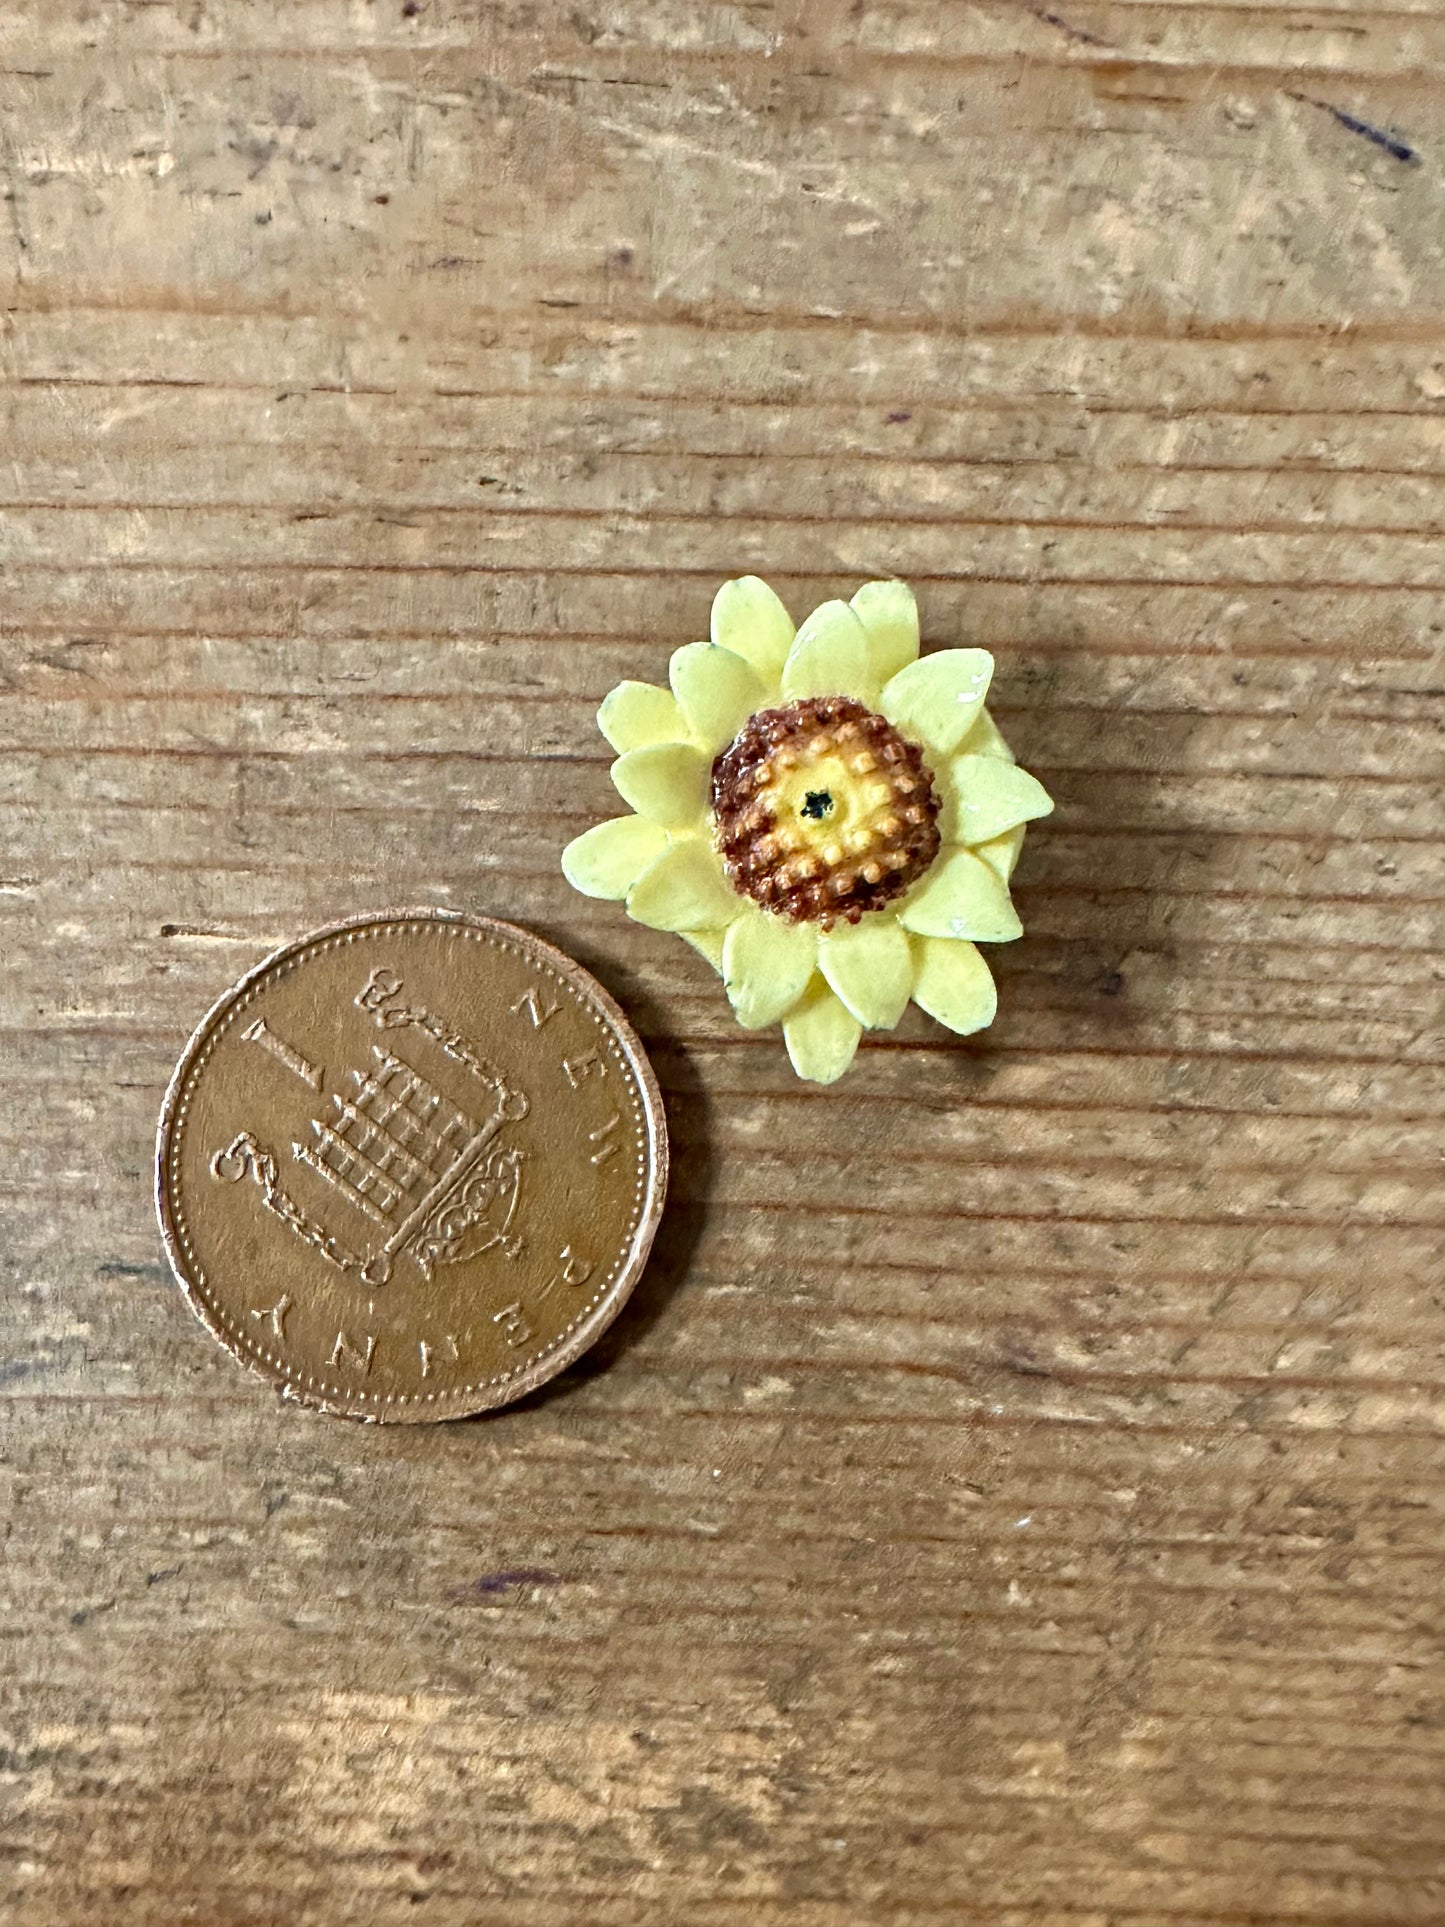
x: 823, y: 811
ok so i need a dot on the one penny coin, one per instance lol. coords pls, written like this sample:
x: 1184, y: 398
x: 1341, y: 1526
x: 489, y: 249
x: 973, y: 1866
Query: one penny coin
x: 411, y: 1166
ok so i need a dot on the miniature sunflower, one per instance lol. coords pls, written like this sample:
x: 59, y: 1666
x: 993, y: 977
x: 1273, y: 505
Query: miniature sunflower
x: 830, y: 818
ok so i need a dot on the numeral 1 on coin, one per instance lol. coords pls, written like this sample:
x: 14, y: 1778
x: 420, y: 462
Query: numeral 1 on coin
x: 258, y: 1033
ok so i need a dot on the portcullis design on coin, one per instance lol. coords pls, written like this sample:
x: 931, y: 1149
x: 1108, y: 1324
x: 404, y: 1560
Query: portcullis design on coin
x: 411, y: 1166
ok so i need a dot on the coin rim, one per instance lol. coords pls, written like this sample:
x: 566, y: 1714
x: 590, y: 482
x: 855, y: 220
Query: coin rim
x: 592, y: 1327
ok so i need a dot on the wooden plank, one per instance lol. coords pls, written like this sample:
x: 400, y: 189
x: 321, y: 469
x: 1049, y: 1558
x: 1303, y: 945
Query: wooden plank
x: 1013, y: 1496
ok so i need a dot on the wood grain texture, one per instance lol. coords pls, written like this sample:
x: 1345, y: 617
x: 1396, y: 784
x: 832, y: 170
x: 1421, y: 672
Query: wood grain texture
x: 1014, y: 1496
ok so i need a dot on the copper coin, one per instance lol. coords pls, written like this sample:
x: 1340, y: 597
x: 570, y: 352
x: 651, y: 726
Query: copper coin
x: 411, y: 1166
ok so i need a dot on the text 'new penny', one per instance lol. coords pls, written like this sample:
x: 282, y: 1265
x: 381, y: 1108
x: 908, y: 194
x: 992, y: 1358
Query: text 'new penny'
x: 411, y: 1166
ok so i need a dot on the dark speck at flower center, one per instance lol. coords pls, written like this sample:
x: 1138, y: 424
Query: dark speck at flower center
x: 822, y: 811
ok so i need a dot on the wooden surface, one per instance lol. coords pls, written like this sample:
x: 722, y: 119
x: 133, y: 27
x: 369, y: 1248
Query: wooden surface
x: 1015, y: 1495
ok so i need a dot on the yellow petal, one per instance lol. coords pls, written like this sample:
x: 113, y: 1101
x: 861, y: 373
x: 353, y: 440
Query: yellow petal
x: 935, y: 700
x: 821, y: 1036
x: 766, y: 966
x: 666, y: 782
x: 870, y: 966
x: 889, y: 613
x: 748, y: 618
x: 961, y: 897
x: 829, y: 656
x: 952, y: 983
x: 635, y: 714
x: 683, y: 889
x: 607, y: 860
x: 1001, y: 853
x: 717, y: 692
x: 707, y: 943
x: 985, y: 739
x: 983, y: 797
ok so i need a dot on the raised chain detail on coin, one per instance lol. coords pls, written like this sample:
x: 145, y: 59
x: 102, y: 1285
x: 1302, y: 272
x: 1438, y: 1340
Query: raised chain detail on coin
x: 409, y: 1182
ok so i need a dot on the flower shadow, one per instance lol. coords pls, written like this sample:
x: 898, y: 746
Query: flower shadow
x: 1098, y: 885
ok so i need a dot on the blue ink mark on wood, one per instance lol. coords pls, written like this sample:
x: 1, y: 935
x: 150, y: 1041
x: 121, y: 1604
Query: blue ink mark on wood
x: 1400, y: 150
x: 494, y: 1583
x: 1067, y: 28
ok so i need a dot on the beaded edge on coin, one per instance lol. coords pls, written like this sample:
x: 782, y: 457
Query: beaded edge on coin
x: 575, y: 1340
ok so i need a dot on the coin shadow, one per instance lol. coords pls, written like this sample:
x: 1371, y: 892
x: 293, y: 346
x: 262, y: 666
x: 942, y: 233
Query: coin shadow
x: 688, y: 1109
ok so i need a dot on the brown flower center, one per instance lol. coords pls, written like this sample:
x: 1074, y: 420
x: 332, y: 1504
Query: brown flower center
x: 822, y: 810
